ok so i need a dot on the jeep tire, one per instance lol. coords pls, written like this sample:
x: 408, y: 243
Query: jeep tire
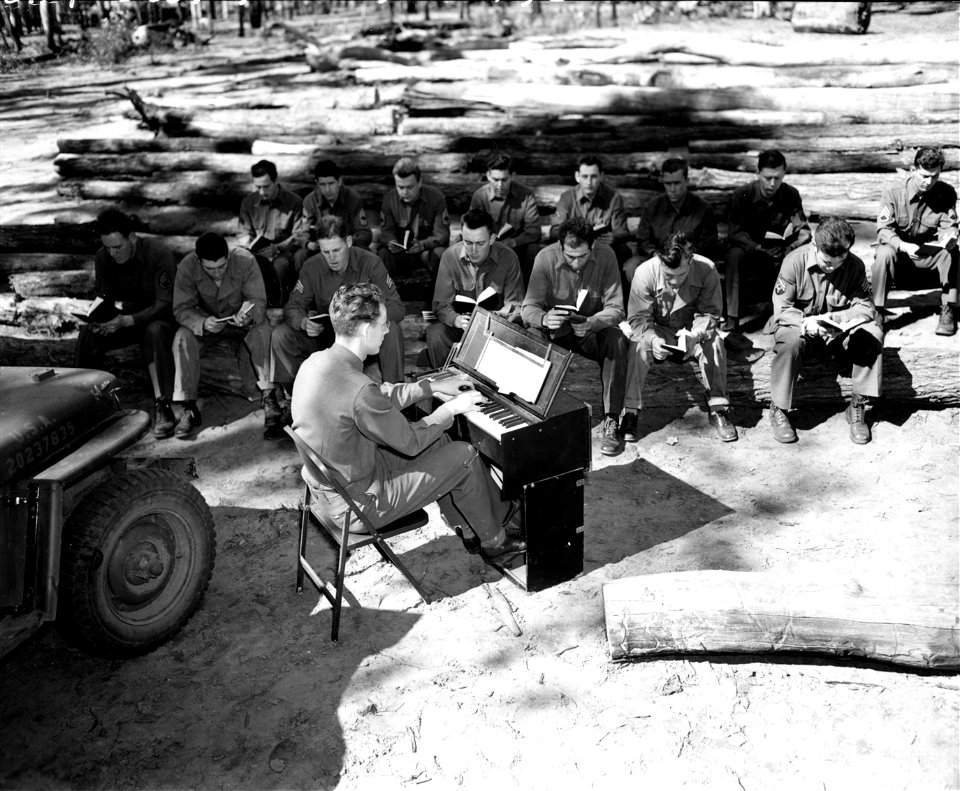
x: 136, y: 558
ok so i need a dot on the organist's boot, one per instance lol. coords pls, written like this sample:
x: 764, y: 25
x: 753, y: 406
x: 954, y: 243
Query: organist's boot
x: 506, y: 553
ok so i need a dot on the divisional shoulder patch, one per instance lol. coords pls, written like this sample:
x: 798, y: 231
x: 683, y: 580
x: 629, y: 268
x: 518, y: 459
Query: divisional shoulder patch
x: 362, y: 220
x: 299, y: 287
x: 780, y: 287
x: 165, y: 280
x: 445, y: 217
x: 383, y: 219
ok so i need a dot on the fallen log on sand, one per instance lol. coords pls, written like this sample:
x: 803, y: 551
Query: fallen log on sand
x: 904, y: 622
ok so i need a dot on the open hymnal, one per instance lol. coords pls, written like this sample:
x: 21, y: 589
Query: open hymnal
x: 840, y: 325
x: 684, y: 342
x: 404, y: 244
x: 780, y: 237
x: 503, y: 232
x: 574, y: 310
x: 489, y: 299
x: 245, y: 308
x: 99, y: 312
x: 934, y: 246
x: 602, y: 227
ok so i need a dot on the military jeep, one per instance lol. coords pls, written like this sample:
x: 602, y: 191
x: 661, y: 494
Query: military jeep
x: 119, y: 556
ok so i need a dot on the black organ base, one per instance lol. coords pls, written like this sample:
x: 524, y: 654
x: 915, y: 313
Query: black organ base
x: 551, y: 519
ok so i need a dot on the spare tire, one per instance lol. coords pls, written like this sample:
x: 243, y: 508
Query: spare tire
x: 136, y: 558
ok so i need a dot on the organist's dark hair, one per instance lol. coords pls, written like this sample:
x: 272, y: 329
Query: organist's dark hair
x: 354, y: 305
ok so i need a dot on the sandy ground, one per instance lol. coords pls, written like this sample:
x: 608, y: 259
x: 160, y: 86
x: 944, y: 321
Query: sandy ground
x: 252, y: 694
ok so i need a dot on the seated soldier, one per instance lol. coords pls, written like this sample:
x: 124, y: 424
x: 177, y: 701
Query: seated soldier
x: 270, y: 228
x: 825, y: 280
x: 219, y: 296
x: 914, y: 212
x: 414, y: 223
x: 513, y: 206
x: 389, y: 465
x: 331, y: 197
x: 762, y: 213
x: 338, y: 263
x: 677, y: 209
x: 676, y: 299
x: 137, y: 275
x: 469, y: 268
x: 577, y: 272
x: 601, y: 206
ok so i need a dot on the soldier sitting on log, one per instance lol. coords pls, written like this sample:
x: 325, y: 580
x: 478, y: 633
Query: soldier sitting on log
x: 673, y: 314
x: 513, y: 208
x: 270, y: 227
x: 414, y: 222
x: 219, y: 296
x: 339, y: 262
x: 917, y: 232
x: 766, y: 222
x: 469, y: 269
x: 575, y: 300
x: 822, y: 305
x: 136, y: 275
x: 677, y: 209
x: 601, y: 206
x: 331, y: 197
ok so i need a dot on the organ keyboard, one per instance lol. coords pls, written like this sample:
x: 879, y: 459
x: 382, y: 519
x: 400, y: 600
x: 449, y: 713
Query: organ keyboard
x: 535, y: 437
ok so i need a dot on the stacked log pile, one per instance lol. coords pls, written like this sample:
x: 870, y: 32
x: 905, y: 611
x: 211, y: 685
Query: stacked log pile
x: 846, y: 114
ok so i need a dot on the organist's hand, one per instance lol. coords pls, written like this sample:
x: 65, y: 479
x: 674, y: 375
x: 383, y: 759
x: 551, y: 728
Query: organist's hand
x: 451, y: 386
x: 467, y: 401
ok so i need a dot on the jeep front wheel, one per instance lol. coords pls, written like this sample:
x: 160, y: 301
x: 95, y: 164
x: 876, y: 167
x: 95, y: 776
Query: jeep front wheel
x: 136, y: 557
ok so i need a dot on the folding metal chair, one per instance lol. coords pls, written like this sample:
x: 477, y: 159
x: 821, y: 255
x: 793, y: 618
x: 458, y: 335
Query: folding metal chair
x: 341, y: 535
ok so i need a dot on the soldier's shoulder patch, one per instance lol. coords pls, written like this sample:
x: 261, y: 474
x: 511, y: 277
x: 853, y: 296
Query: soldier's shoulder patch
x: 445, y: 217
x: 886, y: 213
x: 362, y: 219
x: 383, y: 218
x: 165, y: 281
x: 389, y: 282
x: 299, y: 287
x: 868, y: 286
x: 780, y: 287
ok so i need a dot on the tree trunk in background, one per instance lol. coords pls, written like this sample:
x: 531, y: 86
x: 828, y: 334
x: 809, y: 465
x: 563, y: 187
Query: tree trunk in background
x: 10, y: 26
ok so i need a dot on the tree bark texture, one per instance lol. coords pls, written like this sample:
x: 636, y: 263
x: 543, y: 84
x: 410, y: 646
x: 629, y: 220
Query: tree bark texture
x: 697, y: 612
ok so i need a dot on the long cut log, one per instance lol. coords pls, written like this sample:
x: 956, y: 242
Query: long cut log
x: 69, y: 283
x: 15, y: 263
x: 363, y: 163
x: 867, y: 105
x: 654, y: 44
x: 852, y: 195
x: 904, y: 622
x: 597, y: 123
